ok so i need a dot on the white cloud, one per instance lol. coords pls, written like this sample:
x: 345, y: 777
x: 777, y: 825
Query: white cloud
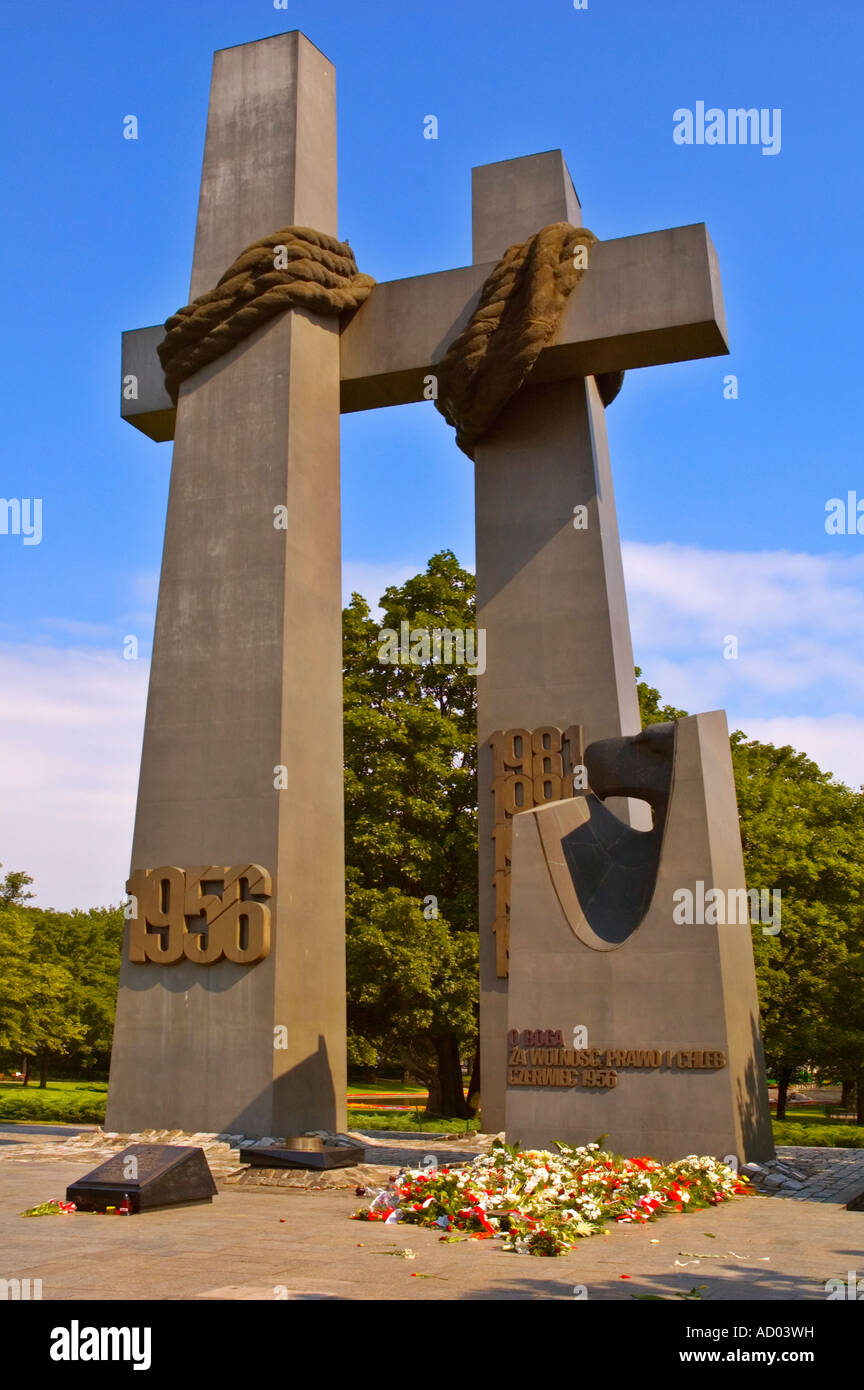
x: 71, y: 721
x: 371, y: 579
x: 835, y: 742
x: 799, y: 675
x: 796, y: 618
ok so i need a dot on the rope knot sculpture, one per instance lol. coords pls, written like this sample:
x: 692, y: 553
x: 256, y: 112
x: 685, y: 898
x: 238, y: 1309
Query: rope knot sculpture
x: 295, y: 268
x: 520, y: 307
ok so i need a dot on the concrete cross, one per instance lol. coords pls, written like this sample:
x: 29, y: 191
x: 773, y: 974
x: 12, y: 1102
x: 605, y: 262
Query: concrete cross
x: 246, y: 668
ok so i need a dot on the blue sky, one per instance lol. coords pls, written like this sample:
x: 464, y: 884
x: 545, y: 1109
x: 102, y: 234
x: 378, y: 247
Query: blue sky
x: 721, y: 502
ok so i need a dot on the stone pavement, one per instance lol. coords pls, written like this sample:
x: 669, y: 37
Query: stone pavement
x: 811, y: 1174
x: 91, y: 1146
x: 289, y: 1243
x: 807, y: 1174
x: 224, y: 1152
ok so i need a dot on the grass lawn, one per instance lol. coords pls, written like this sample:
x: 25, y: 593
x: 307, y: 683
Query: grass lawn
x: 62, y: 1102
x: 813, y: 1129
x: 83, y: 1102
x: 412, y: 1120
x: 385, y: 1088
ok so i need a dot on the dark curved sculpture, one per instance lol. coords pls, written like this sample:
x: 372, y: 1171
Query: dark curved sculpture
x: 610, y: 867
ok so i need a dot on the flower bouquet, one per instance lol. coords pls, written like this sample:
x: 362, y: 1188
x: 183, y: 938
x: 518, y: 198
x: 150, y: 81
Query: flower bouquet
x: 541, y: 1203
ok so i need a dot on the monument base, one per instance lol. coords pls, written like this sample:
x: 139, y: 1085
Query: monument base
x: 305, y: 1152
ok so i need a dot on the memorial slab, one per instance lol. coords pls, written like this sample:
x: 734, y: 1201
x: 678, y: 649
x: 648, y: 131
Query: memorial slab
x: 145, y: 1177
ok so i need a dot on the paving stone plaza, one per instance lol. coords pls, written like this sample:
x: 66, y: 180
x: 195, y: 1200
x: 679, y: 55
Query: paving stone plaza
x: 294, y: 1239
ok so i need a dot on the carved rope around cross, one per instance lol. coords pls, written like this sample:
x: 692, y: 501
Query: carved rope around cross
x: 520, y: 306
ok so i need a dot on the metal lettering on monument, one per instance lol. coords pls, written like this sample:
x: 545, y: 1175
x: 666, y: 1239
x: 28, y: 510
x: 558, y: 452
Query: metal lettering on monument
x: 538, y: 1057
x: 531, y: 767
x: 166, y: 903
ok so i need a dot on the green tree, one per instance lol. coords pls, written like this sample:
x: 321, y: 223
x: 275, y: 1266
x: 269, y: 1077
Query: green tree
x: 802, y: 833
x: 841, y: 1045
x: 88, y: 945
x: 411, y: 991
x: 58, y: 979
x: 14, y: 886
x: 36, y: 1013
x: 411, y: 836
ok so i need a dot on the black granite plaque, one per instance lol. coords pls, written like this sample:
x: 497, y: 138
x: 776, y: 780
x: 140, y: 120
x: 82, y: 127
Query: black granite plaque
x: 151, y: 1175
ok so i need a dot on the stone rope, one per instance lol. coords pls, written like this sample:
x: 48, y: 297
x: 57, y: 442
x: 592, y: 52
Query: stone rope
x: 520, y: 307
x: 319, y: 274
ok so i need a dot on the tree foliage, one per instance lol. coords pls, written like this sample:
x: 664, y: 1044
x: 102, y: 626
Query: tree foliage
x: 411, y: 836
x: 802, y: 833
x: 13, y: 888
x: 58, y: 981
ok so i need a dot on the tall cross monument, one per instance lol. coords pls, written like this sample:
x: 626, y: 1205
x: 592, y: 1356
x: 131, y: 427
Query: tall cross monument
x: 241, y: 930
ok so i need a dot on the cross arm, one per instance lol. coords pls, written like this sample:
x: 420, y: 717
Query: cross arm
x: 645, y: 300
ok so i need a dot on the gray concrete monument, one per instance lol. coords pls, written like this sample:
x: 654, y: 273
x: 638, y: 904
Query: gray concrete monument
x: 240, y: 1024
x: 245, y: 672
x: 632, y: 1007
